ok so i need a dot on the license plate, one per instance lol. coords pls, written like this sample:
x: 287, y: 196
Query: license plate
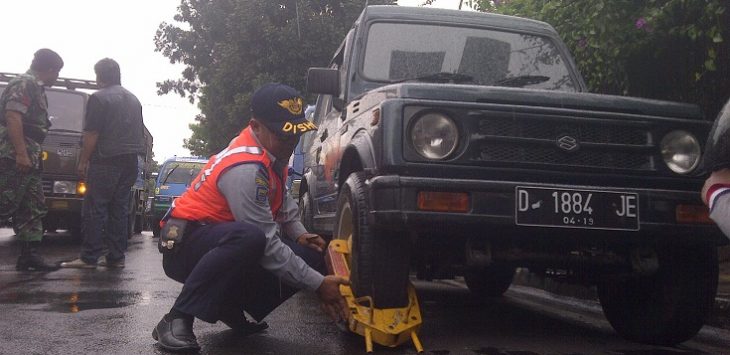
x: 568, y: 208
x: 59, y: 205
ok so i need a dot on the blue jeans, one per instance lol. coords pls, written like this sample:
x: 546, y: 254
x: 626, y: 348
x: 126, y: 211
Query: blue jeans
x: 106, y: 211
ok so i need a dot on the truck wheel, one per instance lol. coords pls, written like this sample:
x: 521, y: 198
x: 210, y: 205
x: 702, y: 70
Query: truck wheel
x: 155, y: 228
x: 132, y: 226
x: 305, y: 211
x: 50, y: 224
x: 491, y: 281
x: 668, y: 307
x: 378, y: 260
x: 138, y: 224
x: 74, y: 228
x: 132, y: 219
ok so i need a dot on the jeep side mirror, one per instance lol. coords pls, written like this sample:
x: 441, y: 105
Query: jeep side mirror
x: 324, y: 81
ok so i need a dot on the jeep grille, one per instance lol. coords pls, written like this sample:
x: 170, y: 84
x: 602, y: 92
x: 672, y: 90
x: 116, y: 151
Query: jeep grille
x: 47, y: 187
x: 563, y: 141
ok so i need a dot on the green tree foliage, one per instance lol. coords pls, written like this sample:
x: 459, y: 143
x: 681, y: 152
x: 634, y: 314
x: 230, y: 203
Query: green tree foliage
x: 664, y: 49
x: 231, y: 47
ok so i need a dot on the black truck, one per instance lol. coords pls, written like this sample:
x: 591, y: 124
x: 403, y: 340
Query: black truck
x: 63, y: 190
x: 465, y: 144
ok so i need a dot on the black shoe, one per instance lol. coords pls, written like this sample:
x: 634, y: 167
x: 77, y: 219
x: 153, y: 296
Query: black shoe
x: 243, y: 326
x: 77, y: 264
x: 34, y: 263
x: 112, y: 264
x: 175, y: 334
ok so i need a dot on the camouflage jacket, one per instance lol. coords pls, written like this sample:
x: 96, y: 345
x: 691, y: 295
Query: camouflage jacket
x: 26, y: 95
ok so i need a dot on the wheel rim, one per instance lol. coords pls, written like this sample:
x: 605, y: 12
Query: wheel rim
x: 304, y: 209
x: 344, y: 228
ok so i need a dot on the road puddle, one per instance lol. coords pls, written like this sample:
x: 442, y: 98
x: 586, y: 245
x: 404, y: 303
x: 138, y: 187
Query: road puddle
x: 75, y: 301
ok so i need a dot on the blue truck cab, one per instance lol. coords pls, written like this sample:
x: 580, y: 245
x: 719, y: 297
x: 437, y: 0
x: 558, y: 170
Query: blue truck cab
x: 175, y: 176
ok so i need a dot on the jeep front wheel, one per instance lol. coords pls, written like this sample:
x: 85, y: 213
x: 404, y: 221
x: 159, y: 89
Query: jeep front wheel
x: 378, y: 260
x: 668, y: 307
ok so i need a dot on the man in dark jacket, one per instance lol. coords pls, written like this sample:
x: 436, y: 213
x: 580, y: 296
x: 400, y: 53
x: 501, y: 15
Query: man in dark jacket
x: 113, y: 137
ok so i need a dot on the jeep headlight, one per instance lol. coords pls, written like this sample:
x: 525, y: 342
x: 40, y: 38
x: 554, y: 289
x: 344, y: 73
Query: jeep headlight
x: 434, y: 136
x: 64, y: 187
x: 680, y: 151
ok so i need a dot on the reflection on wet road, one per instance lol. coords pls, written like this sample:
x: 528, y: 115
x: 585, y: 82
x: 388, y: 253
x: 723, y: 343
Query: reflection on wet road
x: 112, y: 311
x: 73, y: 302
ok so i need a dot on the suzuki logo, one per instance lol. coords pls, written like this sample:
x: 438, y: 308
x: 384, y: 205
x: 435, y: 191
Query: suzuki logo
x: 567, y: 143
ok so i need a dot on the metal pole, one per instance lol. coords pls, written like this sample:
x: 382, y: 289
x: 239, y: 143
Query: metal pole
x: 299, y: 30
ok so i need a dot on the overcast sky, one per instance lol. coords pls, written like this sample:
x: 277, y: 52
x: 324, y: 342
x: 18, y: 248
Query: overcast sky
x: 84, y: 31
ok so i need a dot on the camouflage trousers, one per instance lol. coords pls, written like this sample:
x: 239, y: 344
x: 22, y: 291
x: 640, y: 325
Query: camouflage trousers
x: 21, y: 197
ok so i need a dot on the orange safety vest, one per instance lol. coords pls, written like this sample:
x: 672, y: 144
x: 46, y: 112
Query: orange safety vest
x: 204, y: 203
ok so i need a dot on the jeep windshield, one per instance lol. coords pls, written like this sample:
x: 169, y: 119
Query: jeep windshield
x: 398, y: 52
x: 65, y: 110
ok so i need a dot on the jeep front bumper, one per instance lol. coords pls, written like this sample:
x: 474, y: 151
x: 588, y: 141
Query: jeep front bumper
x: 492, y: 208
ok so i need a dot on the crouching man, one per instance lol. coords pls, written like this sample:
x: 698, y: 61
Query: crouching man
x: 235, y: 233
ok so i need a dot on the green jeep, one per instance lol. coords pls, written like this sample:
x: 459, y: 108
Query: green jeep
x: 456, y: 143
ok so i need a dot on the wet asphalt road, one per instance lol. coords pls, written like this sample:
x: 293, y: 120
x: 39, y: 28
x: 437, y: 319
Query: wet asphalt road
x: 113, y: 312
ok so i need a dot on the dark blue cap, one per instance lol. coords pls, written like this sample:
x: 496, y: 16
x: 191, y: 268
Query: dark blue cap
x: 281, y: 109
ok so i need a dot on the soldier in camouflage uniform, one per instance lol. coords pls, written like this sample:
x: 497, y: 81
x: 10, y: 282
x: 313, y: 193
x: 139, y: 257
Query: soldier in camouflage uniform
x: 24, y: 124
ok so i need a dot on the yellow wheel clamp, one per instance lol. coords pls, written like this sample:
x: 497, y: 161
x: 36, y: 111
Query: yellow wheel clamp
x: 388, y: 326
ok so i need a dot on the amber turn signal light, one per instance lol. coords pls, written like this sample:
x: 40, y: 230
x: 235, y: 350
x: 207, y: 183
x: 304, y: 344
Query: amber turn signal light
x: 443, y: 201
x: 696, y: 214
x: 81, y: 188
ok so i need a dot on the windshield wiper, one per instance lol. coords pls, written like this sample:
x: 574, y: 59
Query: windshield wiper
x: 293, y: 172
x: 168, y: 175
x: 521, y: 81
x: 442, y: 77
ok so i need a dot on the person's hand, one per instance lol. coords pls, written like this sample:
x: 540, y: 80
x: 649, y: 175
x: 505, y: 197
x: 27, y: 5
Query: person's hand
x: 312, y: 241
x: 717, y: 177
x: 22, y: 162
x: 81, y: 169
x: 332, y: 301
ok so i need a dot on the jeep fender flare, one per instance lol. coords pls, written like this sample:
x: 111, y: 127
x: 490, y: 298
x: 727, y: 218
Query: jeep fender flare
x: 358, y: 155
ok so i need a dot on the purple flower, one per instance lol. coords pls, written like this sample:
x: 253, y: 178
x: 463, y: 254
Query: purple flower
x: 640, y: 23
x: 582, y: 43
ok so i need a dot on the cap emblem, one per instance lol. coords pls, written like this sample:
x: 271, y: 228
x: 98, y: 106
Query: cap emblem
x: 294, y: 106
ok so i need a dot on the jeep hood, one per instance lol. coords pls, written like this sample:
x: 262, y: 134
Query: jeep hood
x: 540, y: 98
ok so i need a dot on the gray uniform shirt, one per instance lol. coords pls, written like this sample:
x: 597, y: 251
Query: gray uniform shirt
x: 249, y: 204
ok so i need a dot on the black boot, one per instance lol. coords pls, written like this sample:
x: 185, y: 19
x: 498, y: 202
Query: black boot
x: 30, y: 260
x: 175, y: 334
x: 241, y: 325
